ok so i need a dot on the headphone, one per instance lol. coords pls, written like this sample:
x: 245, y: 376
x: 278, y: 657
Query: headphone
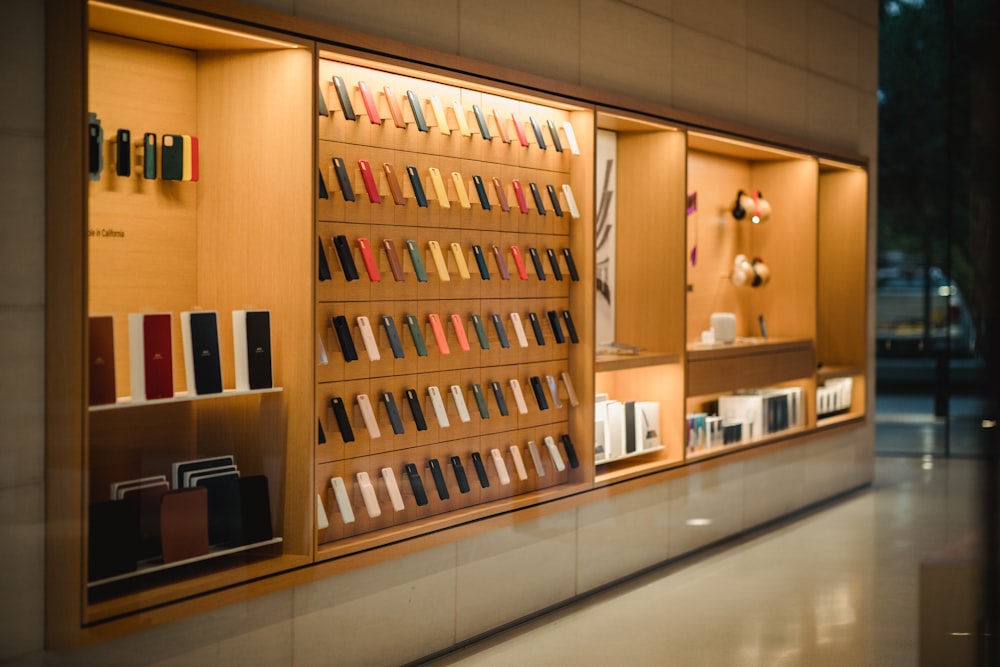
x: 752, y: 273
x: 759, y: 207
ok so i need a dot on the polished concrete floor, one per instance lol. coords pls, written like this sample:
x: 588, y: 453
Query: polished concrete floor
x: 835, y: 586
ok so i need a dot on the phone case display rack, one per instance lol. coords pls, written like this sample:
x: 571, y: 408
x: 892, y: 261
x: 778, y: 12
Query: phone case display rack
x: 424, y: 245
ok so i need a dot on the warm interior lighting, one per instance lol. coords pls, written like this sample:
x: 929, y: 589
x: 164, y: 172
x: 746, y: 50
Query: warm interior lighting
x: 698, y: 522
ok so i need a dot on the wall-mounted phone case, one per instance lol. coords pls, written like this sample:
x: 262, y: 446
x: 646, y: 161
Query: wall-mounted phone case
x: 459, y: 397
x: 522, y: 203
x: 501, y: 262
x: 477, y: 324
x: 539, y: 391
x: 393, y: 335
x: 574, y: 462
x: 554, y: 133
x: 123, y: 153
x: 571, y: 265
x: 522, y: 271
x: 536, y: 260
x: 515, y: 320
x: 557, y: 331
x: 368, y: 416
x: 343, y: 500
x: 574, y: 211
x: 392, y: 488
x: 519, y: 130
x: 459, y: 470
x: 417, y: 185
x: 369, y: 180
x: 554, y: 391
x: 574, y: 147
x: 368, y: 338
x: 418, y: 337
x: 343, y: 178
x: 515, y: 455
x: 439, y: 335
x: 172, y: 157
x: 95, y: 147
x: 438, y: 404
x: 417, y: 261
x: 459, y: 326
x: 344, y: 96
x: 461, y: 190
x: 461, y: 119
x: 368, y: 257
x: 570, y: 327
x: 389, y: 401
x: 440, y: 265
x: 536, y: 194
x: 570, y: 389
x: 149, y: 156
x: 440, y: 191
x: 371, y: 109
x: 501, y: 331
x: 515, y: 388
x: 416, y: 484
x: 501, y: 126
x: 484, y: 129
x: 536, y: 328
x: 347, y: 264
x: 323, y: 192
x: 395, y: 110
x: 499, y: 398
x: 438, y: 475
x: 477, y: 252
x: 501, y: 195
x: 320, y: 433
x: 395, y: 265
x: 554, y: 198
x: 368, y: 495
x: 343, y: 422
x: 439, y: 116
x: 484, y: 200
x: 416, y: 410
x: 500, y: 466
x: 343, y: 330
x: 557, y: 459
x: 418, y: 112
x: 324, y: 266
x: 321, y: 107
x: 554, y: 263
x: 536, y: 458
x: 537, y: 129
x: 459, y: 256
x: 477, y: 393
x: 477, y: 462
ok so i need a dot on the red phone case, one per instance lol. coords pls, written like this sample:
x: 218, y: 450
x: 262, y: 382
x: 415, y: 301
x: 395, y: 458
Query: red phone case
x: 519, y: 262
x: 439, y: 336
x: 370, y: 107
x: 194, y: 158
x: 521, y: 136
x: 369, y: 178
x: 463, y: 340
x: 369, y: 259
x: 519, y: 194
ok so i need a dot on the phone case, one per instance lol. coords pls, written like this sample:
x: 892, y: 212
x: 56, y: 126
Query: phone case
x: 459, y: 470
x: 554, y: 391
x: 477, y: 393
x: 416, y: 410
x: 570, y: 390
x: 522, y: 340
x: 477, y: 324
x: 439, y: 335
x: 345, y: 98
x: 484, y: 129
x: 439, y: 411
x: 500, y: 466
x: 501, y: 262
x: 461, y: 119
x: 390, y: 408
x: 501, y: 331
x: 393, y: 336
x: 459, y: 256
x: 461, y: 189
x: 515, y: 387
x: 369, y: 180
x: 324, y: 266
x: 574, y: 212
x: 368, y: 338
x: 418, y: 112
x: 554, y: 133
x: 519, y: 130
x: 343, y: 330
x: 536, y: 194
x: 439, y: 116
x: 418, y: 263
x: 501, y: 127
x: 536, y: 458
x: 394, y: 187
x: 371, y: 109
x: 499, y: 398
x: 574, y: 462
x: 417, y: 185
x: 392, y: 488
x: 394, y: 109
x: 149, y: 155
x: 123, y: 153
x: 439, y: 264
x: 418, y: 337
x: 343, y: 422
x: 343, y: 500
x: 368, y: 416
x: 369, y: 260
x: 570, y: 327
x: 501, y: 195
x: 95, y: 148
x: 321, y: 107
x: 557, y: 331
x: 440, y: 191
x: 438, y: 475
x: 515, y: 455
x: 323, y: 192
x: 536, y: 260
x: 557, y: 459
x: 172, y: 157
x: 459, y: 397
x: 554, y: 198
x: 477, y: 462
x: 537, y: 129
x: 347, y: 264
x: 459, y: 326
x: 343, y: 179
x: 192, y: 164
x: 536, y: 387
x: 186, y: 167
x: 522, y: 272
x: 477, y: 252
x: 571, y: 265
x: 368, y: 495
x: 554, y: 263
x: 536, y: 327
x: 574, y: 147
x: 484, y: 200
x: 416, y: 484
x: 522, y: 205
x: 394, y: 264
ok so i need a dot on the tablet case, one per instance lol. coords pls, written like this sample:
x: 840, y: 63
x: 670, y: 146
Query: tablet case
x: 200, y: 334
x: 252, y: 346
x: 184, y: 524
x: 113, y: 539
x: 151, y: 363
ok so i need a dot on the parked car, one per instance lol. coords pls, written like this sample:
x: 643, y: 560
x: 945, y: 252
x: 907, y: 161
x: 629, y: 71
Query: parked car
x: 904, y: 328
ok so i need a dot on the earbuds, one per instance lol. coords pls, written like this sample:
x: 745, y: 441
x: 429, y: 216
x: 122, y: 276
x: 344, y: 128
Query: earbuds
x: 758, y: 207
x: 752, y: 273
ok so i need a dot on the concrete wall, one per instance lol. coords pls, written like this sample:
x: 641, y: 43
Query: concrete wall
x: 804, y: 68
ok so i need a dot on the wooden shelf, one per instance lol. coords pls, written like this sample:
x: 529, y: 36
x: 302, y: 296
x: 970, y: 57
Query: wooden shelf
x: 162, y: 567
x: 744, y: 347
x: 830, y: 372
x: 126, y: 402
x: 722, y: 450
x: 633, y: 455
x: 837, y: 420
x: 635, y: 468
x: 620, y: 362
x: 722, y: 368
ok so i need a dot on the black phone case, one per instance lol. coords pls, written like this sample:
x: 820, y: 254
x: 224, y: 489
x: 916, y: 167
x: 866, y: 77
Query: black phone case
x: 501, y: 332
x: 393, y: 334
x: 438, y: 475
x: 537, y: 261
x: 556, y: 142
x: 321, y: 107
x: 149, y: 155
x: 320, y: 433
x: 570, y: 327
x: 346, y: 258
x: 536, y: 326
x: 417, y: 185
x: 477, y: 462
x: 484, y: 271
x: 343, y: 178
x: 538, y: 133
x: 323, y: 192
x: 390, y: 407
x: 459, y: 470
x: 123, y: 153
x: 343, y: 422
x: 536, y: 194
x: 557, y: 331
x: 416, y: 410
x: 554, y: 198
x: 324, y: 265
x: 536, y: 387
x: 571, y: 265
x: 343, y: 330
x: 345, y: 98
x: 172, y: 157
x: 484, y: 199
x: 554, y: 263
x: 418, y: 112
x: 574, y: 462
x: 498, y: 396
x: 416, y: 484
x: 95, y: 156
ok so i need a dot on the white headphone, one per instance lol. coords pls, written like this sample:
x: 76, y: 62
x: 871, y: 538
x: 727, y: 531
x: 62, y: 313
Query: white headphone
x: 752, y: 273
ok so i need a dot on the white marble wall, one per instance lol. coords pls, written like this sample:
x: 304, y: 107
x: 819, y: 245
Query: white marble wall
x: 804, y: 68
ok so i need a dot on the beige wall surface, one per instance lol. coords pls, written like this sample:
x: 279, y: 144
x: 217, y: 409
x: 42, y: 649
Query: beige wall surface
x: 806, y: 69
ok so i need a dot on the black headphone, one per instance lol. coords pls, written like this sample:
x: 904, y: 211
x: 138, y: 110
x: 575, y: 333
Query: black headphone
x: 752, y: 273
x: 738, y: 211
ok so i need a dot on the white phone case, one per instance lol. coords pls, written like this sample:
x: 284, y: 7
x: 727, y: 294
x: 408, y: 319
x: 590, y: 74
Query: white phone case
x: 500, y: 465
x: 368, y: 415
x: 368, y: 494
x: 536, y: 458
x: 368, y: 337
x: 574, y: 147
x: 574, y: 212
x: 557, y: 459
x: 322, y: 522
x: 515, y: 386
x: 461, y: 119
x: 463, y: 409
x: 522, y: 340
x: 554, y: 391
x: 439, y: 116
x: 515, y: 453
x: 438, y: 404
x: 392, y: 486
x: 343, y: 500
